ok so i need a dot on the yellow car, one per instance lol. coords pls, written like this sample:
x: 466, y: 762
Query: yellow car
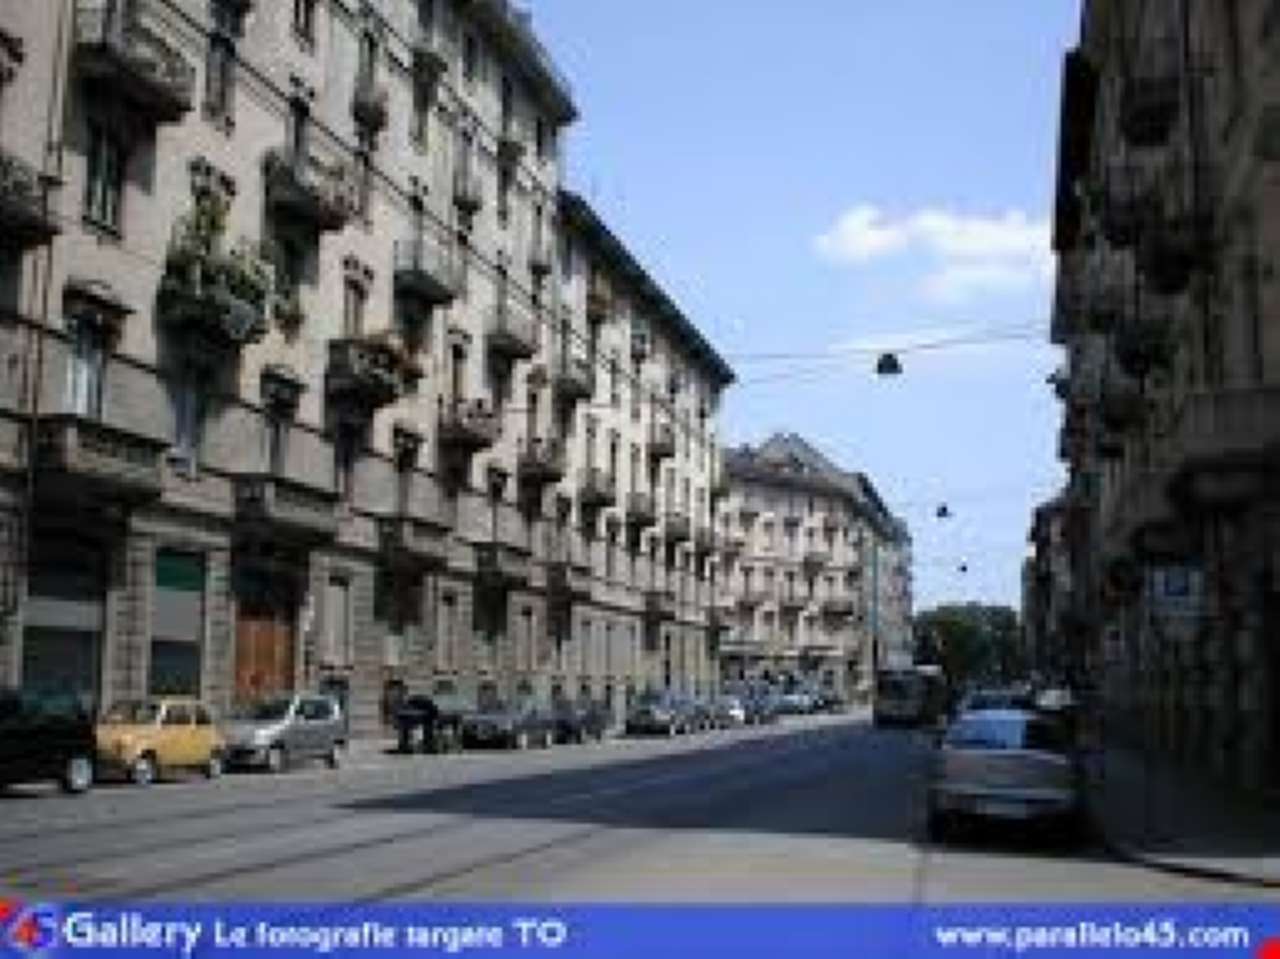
x: 144, y: 738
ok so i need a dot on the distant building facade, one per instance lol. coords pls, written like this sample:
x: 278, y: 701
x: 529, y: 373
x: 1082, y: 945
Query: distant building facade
x: 814, y: 583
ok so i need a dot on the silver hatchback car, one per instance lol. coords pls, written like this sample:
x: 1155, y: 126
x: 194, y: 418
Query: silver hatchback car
x: 1006, y: 764
x: 281, y: 730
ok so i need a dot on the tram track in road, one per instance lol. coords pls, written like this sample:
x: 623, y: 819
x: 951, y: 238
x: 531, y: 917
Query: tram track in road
x: 808, y: 741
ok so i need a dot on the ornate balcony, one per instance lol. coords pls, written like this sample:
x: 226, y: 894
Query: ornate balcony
x: 540, y: 258
x: 816, y: 559
x: 732, y: 544
x: 662, y: 441
x: 410, y: 543
x: 469, y: 426
x: 543, y: 461
x: 838, y: 608
x: 116, y: 53
x: 598, y: 488
x: 753, y: 599
x: 82, y: 458
x: 747, y: 512
x: 513, y: 332
x: 642, y: 510
x: 640, y: 346
x: 369, y: 105
x: 368, y: 371
x: 468, y: 196
x: 1225, y: 445
x: 27, y: 224
x: 659, y: 606
x: 704, y: 541
x: 217, y: 302
x: 677, y: 527
x: 792, y: 602
x: 276, y: 507
x: 430, y: 57
x: 599, y: 300
x: 1152, y: 95
x: 303, y: 188
x: 574, y: 379
x: 426, y: 270
x: 501, y: 568
x: 511, y: 148
x: 568, y: 583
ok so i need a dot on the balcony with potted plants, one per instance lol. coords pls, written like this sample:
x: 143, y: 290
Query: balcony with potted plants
x: 369, y: 104
x: 573, y: 379
x: 215, y: 298
x: 426, y: 270
x: 468, y: 426
x: 326, y: 196
x: 542, y: 461
x: 27, y: 222
x: 368, y: 371
x: 118, y: 52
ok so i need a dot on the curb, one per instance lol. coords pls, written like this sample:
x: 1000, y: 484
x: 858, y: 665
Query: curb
x: 1126, y: 852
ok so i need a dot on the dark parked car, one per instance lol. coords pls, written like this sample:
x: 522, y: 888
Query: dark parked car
x: 580, y: 722
x: 655, y: 712
x: 432, y: 724
x: 46, y: 737
x: 513, y: 726
x: 760, y: 709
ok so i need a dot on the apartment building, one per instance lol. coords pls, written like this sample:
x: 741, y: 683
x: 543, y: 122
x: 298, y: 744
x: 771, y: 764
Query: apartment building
x: 1165, y: 223
x: 813, y: 571
x: 305, y: 380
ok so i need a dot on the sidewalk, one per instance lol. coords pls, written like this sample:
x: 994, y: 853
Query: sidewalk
x: 1163, y: 816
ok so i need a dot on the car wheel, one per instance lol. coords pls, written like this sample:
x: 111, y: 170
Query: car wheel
x: 333, y: 758
x: 214, y: 767
x: 277, y: 759
x: 522, y: 740
x: 77, y: 775
x: 143, y: 770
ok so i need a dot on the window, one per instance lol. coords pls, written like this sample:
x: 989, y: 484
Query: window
x: 504, y: 195
x: 304, y: 20
x: 426, y: 14
x: 277, y: 429
x: 188, y: 420
x: 366, y: 182
x: 85, y: 367
x: 420, y: 124
x: 470, y: 58
x: 353, y: 304
x: 176, y: 714
x: 220, y: 65
x: 507, y: 106
x: 540, y: 138
x: 368, y: 59
x: 344, y: 467
x: 104, y: 185
x: 338, y: 639
x: 299, y: 118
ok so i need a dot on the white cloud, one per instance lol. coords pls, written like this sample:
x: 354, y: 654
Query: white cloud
x: 969, y: 256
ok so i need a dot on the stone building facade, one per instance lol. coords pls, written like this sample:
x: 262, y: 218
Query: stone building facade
x: 1165, y: 231
x: 814, y: 578
x: 306, y: 378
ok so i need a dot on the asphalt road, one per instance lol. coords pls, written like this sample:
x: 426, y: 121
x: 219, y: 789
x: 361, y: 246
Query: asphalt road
x: 823, y: 809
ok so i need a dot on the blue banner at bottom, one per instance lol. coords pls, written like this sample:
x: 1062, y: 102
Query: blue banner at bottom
x: 244, y: 931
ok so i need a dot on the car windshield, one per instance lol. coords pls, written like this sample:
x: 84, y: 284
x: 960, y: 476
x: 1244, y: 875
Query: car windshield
x: 264, y: 710
x: 986, y: 732
x: 133, y: 711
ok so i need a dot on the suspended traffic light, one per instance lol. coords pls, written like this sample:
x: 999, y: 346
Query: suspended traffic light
x: 888, y: 365
x: 964, y: 567
x: 944, y: 511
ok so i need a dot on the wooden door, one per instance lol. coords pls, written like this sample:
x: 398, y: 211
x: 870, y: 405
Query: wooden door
x: 264, y: 655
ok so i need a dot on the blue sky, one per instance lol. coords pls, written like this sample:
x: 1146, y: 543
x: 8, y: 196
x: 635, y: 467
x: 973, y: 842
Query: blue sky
x: 820, y: 177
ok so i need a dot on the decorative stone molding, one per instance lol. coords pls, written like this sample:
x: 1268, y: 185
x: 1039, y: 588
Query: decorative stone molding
x: 12, y: 56
x: 281, y: 389
x: 95, y: 303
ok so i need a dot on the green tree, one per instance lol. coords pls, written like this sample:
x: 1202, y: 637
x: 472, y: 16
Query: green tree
x: 972, y: 642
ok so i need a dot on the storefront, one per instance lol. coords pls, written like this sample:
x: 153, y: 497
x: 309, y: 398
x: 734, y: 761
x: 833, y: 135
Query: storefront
x: 267, y: 599
x: 177, y: 629
x: 65, y: 618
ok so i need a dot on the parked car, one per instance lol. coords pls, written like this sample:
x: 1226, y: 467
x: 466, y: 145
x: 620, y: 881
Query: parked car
x: 1005, y: 764
x: 657, y: 712
x: 514, y: 726
x: 795, y: 702
x: 428, y: 724
x: 760, y: 708
x: 146, y: 738
x: 46, y: 737
x: 730, y: 712
x: 278, y: 731
x: 829, y: 701
x: 579, y: 722
x: 701, y: 713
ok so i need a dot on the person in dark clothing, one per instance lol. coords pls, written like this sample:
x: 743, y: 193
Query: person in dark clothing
x: 419, y: 712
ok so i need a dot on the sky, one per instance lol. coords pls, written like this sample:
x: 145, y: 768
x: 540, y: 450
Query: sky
x: 816, y: 180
